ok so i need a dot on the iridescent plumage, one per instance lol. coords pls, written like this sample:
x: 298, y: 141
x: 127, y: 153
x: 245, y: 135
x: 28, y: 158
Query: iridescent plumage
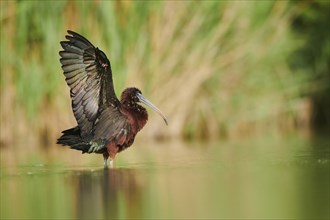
x: 105, y: 124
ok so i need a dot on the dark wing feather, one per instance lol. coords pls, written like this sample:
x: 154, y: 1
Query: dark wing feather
x: 88, y: 74
x: 113, y: 126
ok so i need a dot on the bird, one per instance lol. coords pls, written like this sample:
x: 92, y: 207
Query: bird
x: 105, y: 124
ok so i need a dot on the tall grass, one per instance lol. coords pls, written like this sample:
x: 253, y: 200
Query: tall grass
x: 216, y: 68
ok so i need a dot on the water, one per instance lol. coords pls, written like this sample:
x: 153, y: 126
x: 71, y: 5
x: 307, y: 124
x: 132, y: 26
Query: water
x: 278, y: 179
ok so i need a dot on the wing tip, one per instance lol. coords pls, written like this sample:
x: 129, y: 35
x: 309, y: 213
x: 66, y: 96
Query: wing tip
x: 74, y: 36
x: 63, y: 43
x: 72, y: 33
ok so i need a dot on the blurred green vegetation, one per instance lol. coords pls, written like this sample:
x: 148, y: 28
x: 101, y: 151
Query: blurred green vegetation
x: 215, y: 68
x: 313, y: 59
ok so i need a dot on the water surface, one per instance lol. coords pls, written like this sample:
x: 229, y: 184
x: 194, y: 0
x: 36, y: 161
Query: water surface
x: 262, y: 179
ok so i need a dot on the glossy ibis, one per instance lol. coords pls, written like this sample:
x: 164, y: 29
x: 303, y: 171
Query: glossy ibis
x: 105, y: 125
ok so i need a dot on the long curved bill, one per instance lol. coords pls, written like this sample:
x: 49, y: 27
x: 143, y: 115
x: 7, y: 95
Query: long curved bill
x: 148, y: 103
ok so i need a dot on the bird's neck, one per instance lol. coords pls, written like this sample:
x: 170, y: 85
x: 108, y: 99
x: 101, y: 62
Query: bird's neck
x: 136, y: 114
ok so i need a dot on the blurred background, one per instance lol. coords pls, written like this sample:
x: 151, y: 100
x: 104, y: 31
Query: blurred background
x: 217, y: 69
x: 245, y: 86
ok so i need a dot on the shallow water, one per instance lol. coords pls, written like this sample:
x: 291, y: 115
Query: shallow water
x: 262, y: 179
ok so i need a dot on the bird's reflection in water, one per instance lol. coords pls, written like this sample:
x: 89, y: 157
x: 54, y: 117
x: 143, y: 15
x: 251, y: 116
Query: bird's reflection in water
x: 109, y: 193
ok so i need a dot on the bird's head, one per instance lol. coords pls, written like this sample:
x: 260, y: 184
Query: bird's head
x: 133, y: 96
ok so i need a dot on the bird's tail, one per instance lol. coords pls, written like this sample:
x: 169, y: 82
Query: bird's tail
x: 72, y: 138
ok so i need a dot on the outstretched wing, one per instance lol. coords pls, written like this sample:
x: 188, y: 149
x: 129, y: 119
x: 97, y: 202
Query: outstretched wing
x: 88, y: 74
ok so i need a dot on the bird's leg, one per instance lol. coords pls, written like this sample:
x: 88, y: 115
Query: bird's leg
x: 105, y: 163
x: 112, y: 150
x: 105, y: 157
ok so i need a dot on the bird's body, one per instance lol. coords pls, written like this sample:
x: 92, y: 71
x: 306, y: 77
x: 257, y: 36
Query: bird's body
x: 105, y: 124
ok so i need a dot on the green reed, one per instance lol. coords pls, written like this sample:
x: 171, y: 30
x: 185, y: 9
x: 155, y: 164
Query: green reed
x: 216, y: 68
